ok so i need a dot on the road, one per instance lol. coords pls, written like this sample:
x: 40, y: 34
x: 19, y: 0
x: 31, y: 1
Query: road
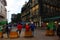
x: 38, y: 35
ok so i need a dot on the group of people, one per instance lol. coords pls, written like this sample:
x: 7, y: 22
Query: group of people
x: 28, y: 27
x: 19, y: 27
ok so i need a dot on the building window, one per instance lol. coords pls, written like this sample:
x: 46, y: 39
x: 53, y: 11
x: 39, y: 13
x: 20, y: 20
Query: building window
x: 51, y: 8
x: 33, y: 9
x: 44, y: 5
x: 33, y: 1
x: 36, y: 1
x: 46, y: 0
x: 48, y: 6
x: 57, y: 9
x: 37, y: 12
x: 37, y: 6
x: 1, y: 9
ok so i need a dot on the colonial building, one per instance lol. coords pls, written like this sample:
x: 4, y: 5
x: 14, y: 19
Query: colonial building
x: 3, y: 11
x: 50, y: 10
x: 30, y: 11
x: 25, y: 12
x: 41, y: 10
x: 34, y: 10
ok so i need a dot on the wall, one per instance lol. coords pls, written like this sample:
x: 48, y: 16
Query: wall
x: 3, y: 11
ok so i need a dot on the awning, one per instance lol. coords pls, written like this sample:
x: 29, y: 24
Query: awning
x: 52, y: 18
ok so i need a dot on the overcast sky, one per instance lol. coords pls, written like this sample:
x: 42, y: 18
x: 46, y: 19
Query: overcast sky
x: 14, y: 6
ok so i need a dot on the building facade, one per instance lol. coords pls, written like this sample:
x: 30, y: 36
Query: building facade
x: 25, y: 12
x: 3, y: 11
x: 50, y: 10
x: 34, y: 10
x: 41, y: 11
x: 30, y: 11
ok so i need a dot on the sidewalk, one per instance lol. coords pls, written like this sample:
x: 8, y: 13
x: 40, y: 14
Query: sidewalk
x: 22, y: 33
x: 38, y: 35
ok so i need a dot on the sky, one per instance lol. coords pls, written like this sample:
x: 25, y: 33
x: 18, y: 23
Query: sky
x: 14, y: 7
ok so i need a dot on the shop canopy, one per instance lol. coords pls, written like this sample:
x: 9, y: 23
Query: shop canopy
x: 52, y: 18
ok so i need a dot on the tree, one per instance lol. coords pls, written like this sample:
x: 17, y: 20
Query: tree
x: 18, y: 19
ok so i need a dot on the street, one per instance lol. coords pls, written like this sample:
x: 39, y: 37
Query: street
x: 18, y: 15
x: 38, y: 35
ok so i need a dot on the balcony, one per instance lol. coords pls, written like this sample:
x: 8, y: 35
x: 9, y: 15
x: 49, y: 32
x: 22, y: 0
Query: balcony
x: 2, y: 15
x: 34, y: 3
x: 4, y: 2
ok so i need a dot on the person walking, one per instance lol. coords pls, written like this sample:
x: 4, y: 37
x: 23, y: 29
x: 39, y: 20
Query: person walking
x: 7, y: 29
x: 32, y: 26
x: 27, y: 27
x: 19, y: 27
